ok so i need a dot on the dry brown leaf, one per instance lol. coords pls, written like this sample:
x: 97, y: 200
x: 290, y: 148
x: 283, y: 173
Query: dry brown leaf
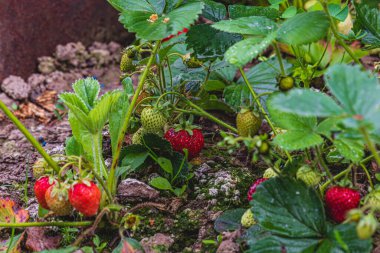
x: 47, y: 100
x: 39, y: 239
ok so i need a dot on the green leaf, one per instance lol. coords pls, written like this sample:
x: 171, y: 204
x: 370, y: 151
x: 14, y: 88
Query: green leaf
x: 244, y: 51
x: 208, y: 42
x: 305, y: 102
x: 157, y: 144
x: 239, y: 11
x: 100, y: 113
x: 297, y: 140
x: 161, y: 183
x: 88, y: 90
x: 350, y: 149
x: 368, y: 19
x: 230, y: 220
x: 73, y: 147
x: 304, y: 28
x: 214, y: 85
x: 287, y: 207
x: 214, y: 11
x: 254, y: 25
x: 152, y: 6
x: 289, y: 12
x: 139, y: 23
x: 337, y: 12
x: 134, y: 158
x: 165, y: 164
x: 77, y: 107
x: 356, y: 90
x: 117, y: 117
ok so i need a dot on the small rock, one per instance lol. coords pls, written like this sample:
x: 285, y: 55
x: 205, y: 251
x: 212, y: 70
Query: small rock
x: 7, y: 100
x: 132, y: 189
x: 15, y: 87
x: 228, y: 246
x: 73, y: 53
x: 37, y: 84
x: 158, y: 241
x: 46, y: 64
x: 100, y: 57
x: 56, y: 81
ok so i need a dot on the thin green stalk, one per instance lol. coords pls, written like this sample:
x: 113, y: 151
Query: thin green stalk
x: 278, y: 54
x: 11, y: 239
x: 111, y: 179
x: 336, y: 177
x: 255, y: 97
x: 46, y: 224
x: 370, y: 145
x: 368, y: 175
x: 323, y: 164
x: 29, y: 136
x: 334, y: 30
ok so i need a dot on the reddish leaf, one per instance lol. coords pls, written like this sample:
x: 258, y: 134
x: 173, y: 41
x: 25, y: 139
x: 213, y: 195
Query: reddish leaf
x: 9, y: 213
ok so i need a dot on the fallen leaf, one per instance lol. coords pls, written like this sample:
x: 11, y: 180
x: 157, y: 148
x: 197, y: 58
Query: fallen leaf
x: 47, y: 100
x: 9, y: 213
x: 38, y: 239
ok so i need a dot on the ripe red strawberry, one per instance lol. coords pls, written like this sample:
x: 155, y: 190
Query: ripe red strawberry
x: 85, y: 197
x: 40, y: 188
x: 57, y: 200
x: 192, y: 140
x: 185, y: 30
x: 253, y: 187
x: 339, y: 200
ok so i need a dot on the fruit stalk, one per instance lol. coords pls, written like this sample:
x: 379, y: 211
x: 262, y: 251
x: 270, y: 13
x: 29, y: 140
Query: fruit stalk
x: 255, y: 97
x: 336, y: 177
x: 278, y: 54
x: 370, y: 144
x: 111, y: 179
x: 29, y: 136
x: 46, y: 224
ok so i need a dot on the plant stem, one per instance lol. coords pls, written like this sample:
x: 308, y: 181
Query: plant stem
x: 341, y: 174
x: 334, y: 30
x: 370, y: 145
x: 11, y: 240
x: 29, y: 136
x: 368, y: 175
x: 46, y: 224
x: 256, y: 98
x: 278, y: 54
x: 111, y: 179
x: 323, y: 164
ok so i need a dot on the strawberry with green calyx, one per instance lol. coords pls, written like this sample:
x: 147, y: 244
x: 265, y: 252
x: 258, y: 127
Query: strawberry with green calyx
x: 40, y: 188
x: 253, y: 187
x: 248, y: 123
x: 366, y: 227
x: 339, y: 200
x: 247, y: 220
x: 152, y: 119
x: 57, y: 199
x: 126, y: 62
x: 308, y: 175
x: 286, y: 83
x: 85, y: 197
x: 39, y: 168
x: 269, y: 173
x: 186, y: 136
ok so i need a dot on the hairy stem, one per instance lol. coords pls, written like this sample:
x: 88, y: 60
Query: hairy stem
x: 370, y: 145
x: 278, y: 54
x: 111, y: 179
x: 30, y: 137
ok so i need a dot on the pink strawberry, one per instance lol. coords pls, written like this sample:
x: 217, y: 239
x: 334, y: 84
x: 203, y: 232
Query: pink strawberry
x: 339, y: 200
x: 40, y: 188
x: 191, y: 140
x: 85, y: 198
x: 253, y: 187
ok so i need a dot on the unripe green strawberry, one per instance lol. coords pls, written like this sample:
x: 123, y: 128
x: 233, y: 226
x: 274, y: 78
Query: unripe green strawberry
x: 373, y: 198
x: 264, y: 148
x: 366, y: 227
x: 248, y: 123
x: 152, y: 120
x: 269, y: 173
x: 247, y: 219
x: 193, y: 63
x: 286, y: 83
x: 354, y: 215
x: 137, y: 137
x: 126, y: 64
x: 57, y: 199
x: 308, y: 175
x: 39, y: 168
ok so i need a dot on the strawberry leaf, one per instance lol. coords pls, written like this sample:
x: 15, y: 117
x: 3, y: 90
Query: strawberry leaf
x: 254, y: 25
x: 239, y: 11
x: 214, y: 11
x: 9, y: 213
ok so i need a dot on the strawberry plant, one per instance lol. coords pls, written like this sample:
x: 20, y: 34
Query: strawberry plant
x: 280, y: 88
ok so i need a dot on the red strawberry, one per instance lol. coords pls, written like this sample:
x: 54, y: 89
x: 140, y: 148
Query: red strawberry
x: 40, y: 188
x: 182, y: 139
x: 339, y: 200
x: 253, y: 187
x: 57, y: 200
x: 85, y: 197
x: 185, y: 30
